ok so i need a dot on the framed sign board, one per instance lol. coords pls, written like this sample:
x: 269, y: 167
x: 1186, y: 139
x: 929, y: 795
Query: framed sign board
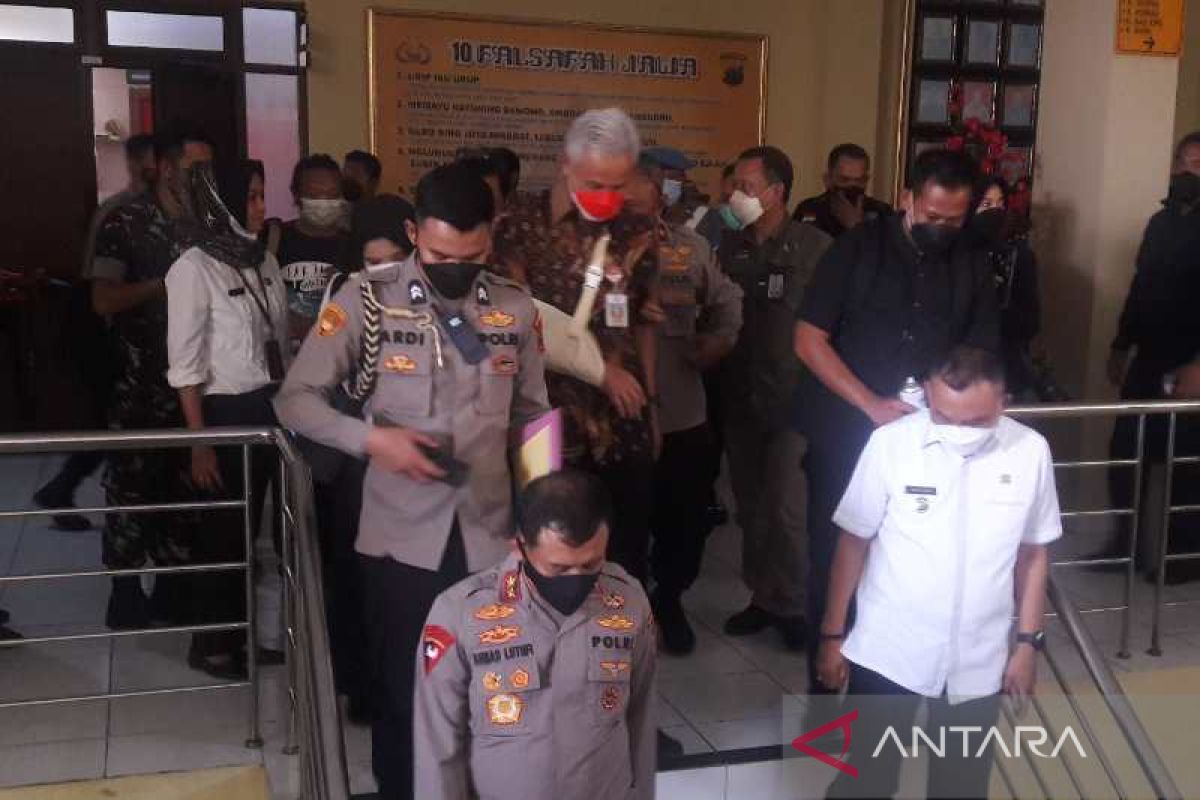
x: 441, y: 82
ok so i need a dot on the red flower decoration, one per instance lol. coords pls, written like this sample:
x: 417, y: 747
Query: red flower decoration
x: 955, y: 143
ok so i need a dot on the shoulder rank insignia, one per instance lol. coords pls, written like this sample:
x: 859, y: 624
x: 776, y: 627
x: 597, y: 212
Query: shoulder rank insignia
x: 519, y: 679
x: 494, y: 611
x: 333, y: 319
x: 500, y: 634
x: 615, y: 622
x: 416, y: 293
x: 481, y: 295
x: 399, y: 363
x: 492, y: 681
x: 497, y: 319
x: 614, y: 601
x: 505, y: 709
x: 435, y: 642
x: 510, y: 587
x: 610, y: 699
x: 614, y: 668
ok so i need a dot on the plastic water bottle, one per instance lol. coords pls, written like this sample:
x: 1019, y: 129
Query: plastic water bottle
x: 912, y: 393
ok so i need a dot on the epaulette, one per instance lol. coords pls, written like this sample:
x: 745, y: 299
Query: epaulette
x: 500, y: 280
x: 482, y: 581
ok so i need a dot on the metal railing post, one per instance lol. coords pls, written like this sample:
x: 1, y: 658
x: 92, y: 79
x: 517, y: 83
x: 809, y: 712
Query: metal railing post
x: 254, y: 739
x: 1164, y: 537
x: 1134, y: 525
x: 287, y: 517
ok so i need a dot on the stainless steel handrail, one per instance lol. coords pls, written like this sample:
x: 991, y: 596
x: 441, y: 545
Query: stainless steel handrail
x: 1115, y: 700
x: 317, y: 733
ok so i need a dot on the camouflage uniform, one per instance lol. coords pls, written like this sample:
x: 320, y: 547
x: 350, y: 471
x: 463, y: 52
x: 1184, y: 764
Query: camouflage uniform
x: 138, y: 242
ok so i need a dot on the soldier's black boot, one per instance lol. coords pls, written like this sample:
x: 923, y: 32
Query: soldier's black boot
x: 127, y: 605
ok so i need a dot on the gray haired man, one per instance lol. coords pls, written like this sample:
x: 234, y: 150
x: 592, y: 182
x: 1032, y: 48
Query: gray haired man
x: 546, y: 242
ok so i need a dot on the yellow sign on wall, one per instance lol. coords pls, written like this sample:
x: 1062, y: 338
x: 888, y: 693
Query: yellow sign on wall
x: 442, y: 82
x: 1149, y: 27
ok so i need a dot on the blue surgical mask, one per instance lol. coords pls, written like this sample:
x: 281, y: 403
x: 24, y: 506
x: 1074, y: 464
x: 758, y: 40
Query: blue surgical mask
x: 672, y: 190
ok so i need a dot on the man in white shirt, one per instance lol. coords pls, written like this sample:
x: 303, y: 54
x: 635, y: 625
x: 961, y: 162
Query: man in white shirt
x: 949, y: 511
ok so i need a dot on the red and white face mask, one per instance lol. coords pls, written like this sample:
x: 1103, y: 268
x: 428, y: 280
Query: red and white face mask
x: 598, y: 205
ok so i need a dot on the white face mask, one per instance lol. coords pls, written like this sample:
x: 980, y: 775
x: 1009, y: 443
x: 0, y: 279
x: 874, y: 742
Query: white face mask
x: 746, y: 208
x: 966, y: 440
x: 672, y: 190
x: 322, y: 213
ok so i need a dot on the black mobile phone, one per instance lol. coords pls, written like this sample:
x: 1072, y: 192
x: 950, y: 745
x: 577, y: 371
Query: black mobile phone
x: 456, y: 470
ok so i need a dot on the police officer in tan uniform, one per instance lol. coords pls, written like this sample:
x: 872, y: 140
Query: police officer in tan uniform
x: 448, y: 359
x: 536, y: 677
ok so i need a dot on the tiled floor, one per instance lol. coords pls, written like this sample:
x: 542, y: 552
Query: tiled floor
x: 729, y: 695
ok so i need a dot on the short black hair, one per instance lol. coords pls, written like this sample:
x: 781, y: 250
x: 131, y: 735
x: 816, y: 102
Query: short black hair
x: 572, y: 503
x: 848, y: 150
x: 138, y: 145
x: 455, y: 193
x: 482, y: 166
x: 509, y: 164
x: 312, y: 162
x: 1192, y: 138
x: 985, y: 184
x: 965, y: 366
x: 168, y: 145
x: 728, y: 169
x: 949, y: 169
x: 367, y: 161
x: 776, y: 165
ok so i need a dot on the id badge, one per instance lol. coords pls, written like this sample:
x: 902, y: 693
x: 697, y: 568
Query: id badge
x: 274, y: 360
x: 775, y: 286
x: 616, y: 310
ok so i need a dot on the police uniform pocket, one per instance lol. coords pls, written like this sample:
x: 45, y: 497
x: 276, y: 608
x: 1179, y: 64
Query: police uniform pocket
x: 608, y: 684
x: 505, y: 694
x: 405, y: 382
x: 497, y: 375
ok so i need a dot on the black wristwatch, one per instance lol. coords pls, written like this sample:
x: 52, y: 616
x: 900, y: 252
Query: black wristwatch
x: 1036, y: 640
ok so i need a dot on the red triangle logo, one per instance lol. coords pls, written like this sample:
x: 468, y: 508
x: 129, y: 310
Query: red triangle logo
x: 842, y: 723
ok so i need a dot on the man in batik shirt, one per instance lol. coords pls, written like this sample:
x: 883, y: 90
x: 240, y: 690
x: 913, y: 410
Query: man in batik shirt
x: 545, y: 242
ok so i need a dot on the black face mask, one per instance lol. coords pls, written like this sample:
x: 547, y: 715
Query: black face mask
x: 934, y: 240
x: 1185, y: 188
x: 852, y: 193
x: 565, y: 592
x: 990, y: 227
x: 452, y: 279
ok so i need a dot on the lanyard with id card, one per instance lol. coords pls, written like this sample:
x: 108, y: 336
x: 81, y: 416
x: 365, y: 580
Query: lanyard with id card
x: 271, y: 349
x: 616, y: 301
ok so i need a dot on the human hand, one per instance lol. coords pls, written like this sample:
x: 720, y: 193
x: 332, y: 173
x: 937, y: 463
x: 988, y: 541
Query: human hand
x: 1117, y: 362
x: 887, y: 409
x: 849, y: 214
x: 1187, y: 382
x: 1020, y: 676
x: 832, y: 667
x: 206, y: 474
x: 624, y: 391
x: 398, y: 450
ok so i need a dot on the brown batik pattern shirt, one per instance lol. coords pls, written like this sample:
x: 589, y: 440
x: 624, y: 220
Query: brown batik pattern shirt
x: 553, y: 256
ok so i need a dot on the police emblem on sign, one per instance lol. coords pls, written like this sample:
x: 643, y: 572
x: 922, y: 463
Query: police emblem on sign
x: 416, y: 293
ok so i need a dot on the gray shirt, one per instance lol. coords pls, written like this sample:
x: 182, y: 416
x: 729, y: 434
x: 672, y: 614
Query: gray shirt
x: 470, y: 409
x: 514, y: 701
x: 698, y: 299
